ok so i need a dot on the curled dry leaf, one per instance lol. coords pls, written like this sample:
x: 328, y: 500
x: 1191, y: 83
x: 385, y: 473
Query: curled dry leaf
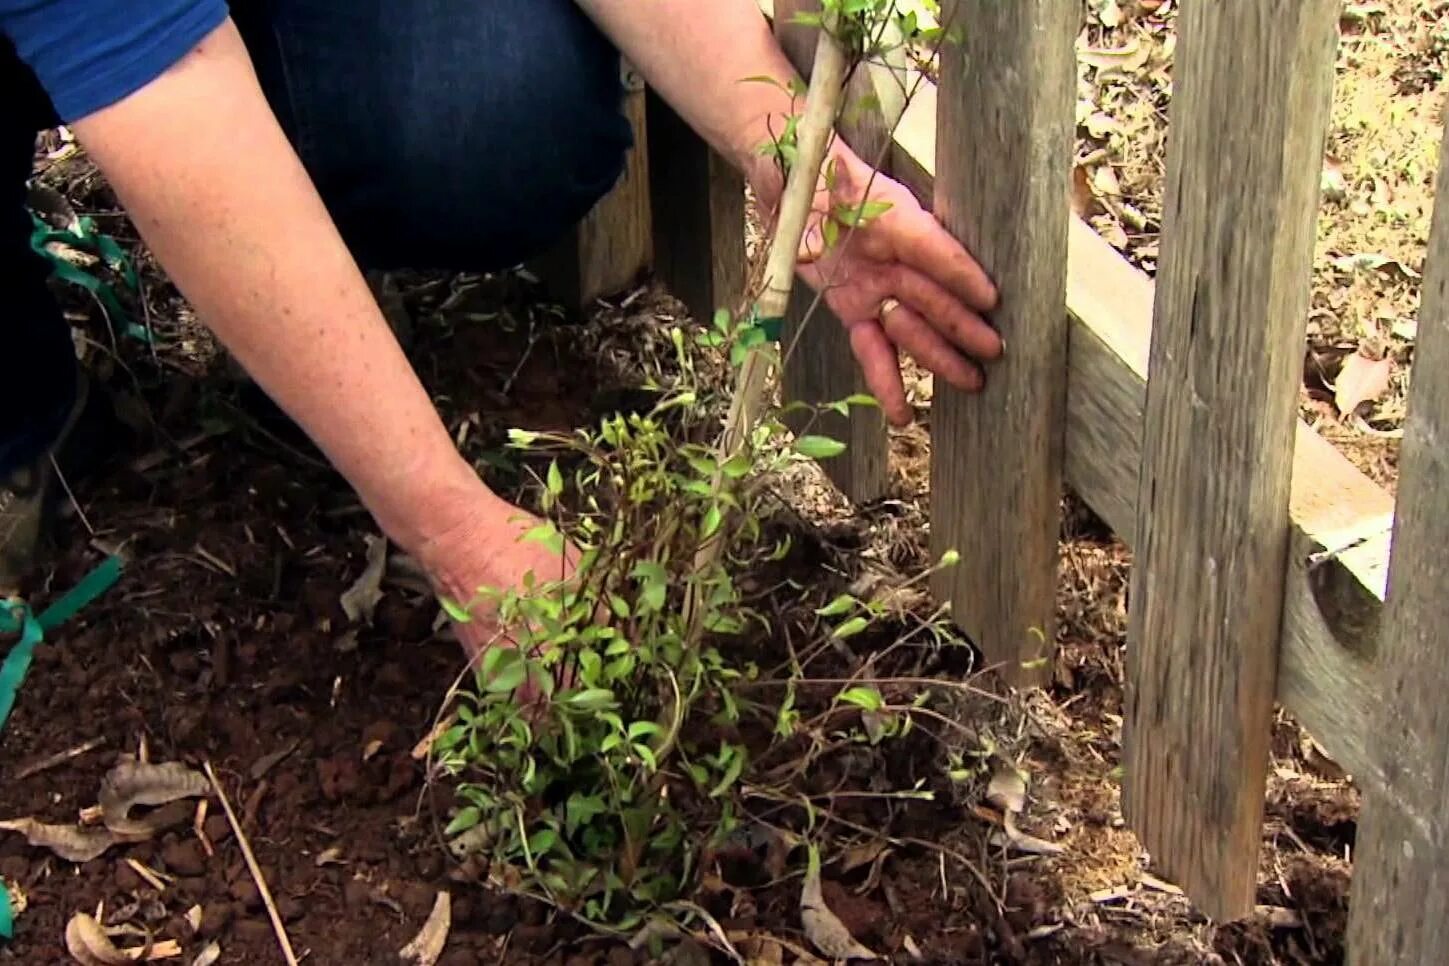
x: 428, y: 944
x: 134, y: 783
x: 360, y: 600
x: 71, y: 842
x: 89, y: 945
x: 1360, y: 380
x: 1007, y: 790
x: 822, y: 927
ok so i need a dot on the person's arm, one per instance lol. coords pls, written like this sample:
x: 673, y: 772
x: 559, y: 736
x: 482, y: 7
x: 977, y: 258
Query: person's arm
x: 217, y: 192
x: 903, y: 284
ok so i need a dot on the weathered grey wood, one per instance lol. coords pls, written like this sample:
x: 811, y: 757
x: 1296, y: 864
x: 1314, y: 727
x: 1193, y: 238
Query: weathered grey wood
x: 821, y: 368
x: 698, y: 203
x: 1399, y: 910
x: 1212, y: 532
x: 613, y: 244
x: 1339, y: 517
x: 1004, y: 137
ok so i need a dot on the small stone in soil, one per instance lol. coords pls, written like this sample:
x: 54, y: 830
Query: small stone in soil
x: 430, y: 864
x: 621, y: 956
x: 217, y: 829
x: 253, y: 931
x: 184, y: 663
x: 185, y: 858
x: 127, y: 880
x: 417, y: 900
x: 355, y: 893
x: 192, y: 888
x: 245, y: 891
x: 16, y: 868
x: 290, y: 909
x: 215, y: 917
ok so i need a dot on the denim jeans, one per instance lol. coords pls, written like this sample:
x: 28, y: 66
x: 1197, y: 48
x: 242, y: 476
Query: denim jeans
x: 461, y: 135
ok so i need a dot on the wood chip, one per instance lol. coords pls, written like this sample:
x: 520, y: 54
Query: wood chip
x: 427, y: 946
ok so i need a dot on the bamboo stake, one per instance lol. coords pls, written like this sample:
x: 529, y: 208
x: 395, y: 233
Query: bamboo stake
x: 817, y: 125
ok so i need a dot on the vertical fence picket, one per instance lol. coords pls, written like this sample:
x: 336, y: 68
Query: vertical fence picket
x: 698, y: 204
x: 1004, y: 149
x: 1399, y: 911
x: 822, y: 367
x: 1252, y: 90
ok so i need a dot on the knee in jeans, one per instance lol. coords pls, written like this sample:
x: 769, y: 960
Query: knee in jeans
x: 502, y: 177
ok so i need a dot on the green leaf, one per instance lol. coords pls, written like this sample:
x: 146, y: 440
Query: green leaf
x: 510, y: 671
x: 855, y: 215
x: 737, y: 466
x: 640, y: 729
x: 453, y: 610
x: 465, y: 819
x: 840, y: 605
x: 950, y: 558
x: 548, y: 535
x: 862, y: 399
x: 589, y: 666
x: 732, y: 769
x: 711, y: 523
x: 521, y: 438
x: 850, y: 628
x: 819, y: 447
x: 867, y: 698
x: 542, y: 841
x: 580, y: 808
x: 830, y: 229
x: 593, y: 699
x: 619, y: 606
x: 555, y: 479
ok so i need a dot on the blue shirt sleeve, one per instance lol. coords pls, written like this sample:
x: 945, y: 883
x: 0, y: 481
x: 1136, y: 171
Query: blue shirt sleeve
x: 88, y: 54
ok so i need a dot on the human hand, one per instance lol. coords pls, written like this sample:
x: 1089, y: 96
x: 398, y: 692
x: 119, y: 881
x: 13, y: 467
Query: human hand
x: 485, y: 548
x: 900, y: 284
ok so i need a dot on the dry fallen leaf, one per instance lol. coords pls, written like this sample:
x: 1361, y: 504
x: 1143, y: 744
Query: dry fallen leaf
x: 822, y: 927
x: 1082, y: 196
x: 1007, y: 790
x: 330, y: 856
x: 70, y: 842
x: 1360, y: 380
x: 89, y: 945
x: 1108, y: 12
x: 360, y: 600
x: 1126, y: 60
x: 428, y: 944
x: 208, y: 955
x: 134, y: 783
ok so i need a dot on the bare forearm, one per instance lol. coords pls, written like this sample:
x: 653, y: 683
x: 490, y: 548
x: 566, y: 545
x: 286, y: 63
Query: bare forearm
x: 699, y: 55
x: 251, y: 246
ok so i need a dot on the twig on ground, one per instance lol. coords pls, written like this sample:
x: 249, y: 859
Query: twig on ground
x: 60, y: 758
x: 252, y: 866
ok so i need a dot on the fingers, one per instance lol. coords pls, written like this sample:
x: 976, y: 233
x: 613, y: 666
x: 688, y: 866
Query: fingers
x: 927, y: 247
x: 881, y: 366
x: 962, y: 327
x: 912, y: 334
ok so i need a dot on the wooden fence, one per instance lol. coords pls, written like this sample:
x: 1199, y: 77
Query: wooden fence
x: 1261, y: 555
